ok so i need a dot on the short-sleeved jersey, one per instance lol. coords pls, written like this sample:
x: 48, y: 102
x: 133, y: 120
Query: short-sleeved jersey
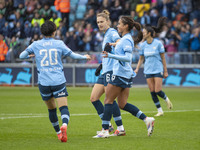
x: 151, y: 52
x: 120, y: 68
x: 111, y: 36
x: 48, y: 54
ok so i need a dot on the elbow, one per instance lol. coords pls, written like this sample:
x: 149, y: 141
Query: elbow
x: 20, y: 56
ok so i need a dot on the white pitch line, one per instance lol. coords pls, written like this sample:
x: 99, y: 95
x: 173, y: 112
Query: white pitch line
x: 18, y: 116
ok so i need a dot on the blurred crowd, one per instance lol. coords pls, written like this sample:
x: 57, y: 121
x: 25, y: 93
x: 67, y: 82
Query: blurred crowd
x: 20, y: 22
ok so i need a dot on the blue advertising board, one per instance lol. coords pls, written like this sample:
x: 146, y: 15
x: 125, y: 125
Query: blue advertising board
x: 86, y: 75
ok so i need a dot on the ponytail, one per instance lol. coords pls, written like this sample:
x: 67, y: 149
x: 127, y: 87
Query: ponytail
x: 140, y: 34
x: 131, y: 23
x: 161, y: 23
x: 158, y: 28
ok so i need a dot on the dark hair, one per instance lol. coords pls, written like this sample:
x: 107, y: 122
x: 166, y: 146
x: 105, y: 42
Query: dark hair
x: 131, y: 23
x: 48, y: 28
x: 158, y: 29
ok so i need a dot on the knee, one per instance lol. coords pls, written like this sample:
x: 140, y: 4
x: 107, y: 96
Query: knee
x: 93, y: 98
x: 121, y: 105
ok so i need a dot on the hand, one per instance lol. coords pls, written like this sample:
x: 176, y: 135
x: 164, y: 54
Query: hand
x: 88, y: 57
x: 105, y: 54
x: 98, y: 70
x: 113, y: 44
x: 165, y: 74
x: 31, y: 55
x: 136, y: 71
x: 108, y: 48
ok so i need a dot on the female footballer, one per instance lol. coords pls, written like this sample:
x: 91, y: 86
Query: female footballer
x: 153, y: 52
x: 110, y: 36
x: 121, y: 81
x: 48, y: 53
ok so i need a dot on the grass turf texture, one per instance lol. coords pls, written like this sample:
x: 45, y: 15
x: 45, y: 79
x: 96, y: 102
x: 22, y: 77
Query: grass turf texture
x: 24, y: 123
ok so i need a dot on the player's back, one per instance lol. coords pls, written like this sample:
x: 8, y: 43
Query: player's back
x: 48, y: 54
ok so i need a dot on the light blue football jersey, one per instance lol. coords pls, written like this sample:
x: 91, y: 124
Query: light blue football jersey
x: 151, y: 52
x: 48, y: 55
x: 111, y: 36
x: 120, y: 68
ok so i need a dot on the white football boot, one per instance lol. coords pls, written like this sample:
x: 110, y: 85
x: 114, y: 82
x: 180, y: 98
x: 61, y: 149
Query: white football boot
x: 150, y: 125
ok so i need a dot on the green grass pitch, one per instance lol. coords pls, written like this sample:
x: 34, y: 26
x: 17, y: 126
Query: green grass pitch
x: 24, y: 123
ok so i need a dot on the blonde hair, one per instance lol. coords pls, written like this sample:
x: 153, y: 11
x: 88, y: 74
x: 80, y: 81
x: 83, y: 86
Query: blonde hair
x: 105, y: 14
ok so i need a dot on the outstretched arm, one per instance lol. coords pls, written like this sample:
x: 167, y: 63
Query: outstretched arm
x: 78, y: 56
x: 25, y: 55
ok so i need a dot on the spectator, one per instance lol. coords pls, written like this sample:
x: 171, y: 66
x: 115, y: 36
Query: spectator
x: 88, y: 28
x: 35, y: 38
x: 90, y: 18
x: 17, y: 3
x: 37, y: 19
x: 22, y: 10
x: 30, y: 6
x: 134, y: 4
x: 3, y: 49
x: 195, y: 44
x: 183, y: 46
x: 93, y: 4
x: 27, y: 29
x: 145, y: 19
x: 2, y: 22
x: 80, y: 35
x: 195, y: 23
x: 6, y: 31
x: 39, y: 8
x: 142, y: 7
x: 64, y: 7
x: 18, y: 18
x: 46, y: 12
x: 186, y: 6
x: 98, y: 38
x: 62, y: 28
x: 71, y: 39
x: 58, y: 35
x: 88, y: 41
x: 165, y: 8
x: 105, y: 5
x: 35, y: 29
x: 126, y: 10
x: 135, y: 16
x: 154, y: 16
x: 115, y: 11
x: 171, y: 49
x: 56, y: 19
x: 17, y: 31
x: 2, y: 9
